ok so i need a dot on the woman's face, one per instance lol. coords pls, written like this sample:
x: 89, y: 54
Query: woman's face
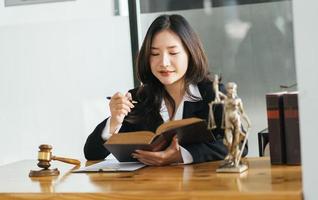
x: 169, y: 58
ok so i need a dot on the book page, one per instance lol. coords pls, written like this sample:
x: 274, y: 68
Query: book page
x: 176, y: 123
x: 140, y: 137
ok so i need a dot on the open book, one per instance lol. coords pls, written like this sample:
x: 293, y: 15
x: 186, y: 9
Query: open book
x: 188, y: 131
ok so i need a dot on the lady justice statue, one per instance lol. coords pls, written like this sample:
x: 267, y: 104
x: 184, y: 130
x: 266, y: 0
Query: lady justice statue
x: 233, y: 114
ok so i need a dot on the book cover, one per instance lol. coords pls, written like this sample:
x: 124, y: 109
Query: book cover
x: 292, y: 132
x: 188, y: 131
x: 276, y: 132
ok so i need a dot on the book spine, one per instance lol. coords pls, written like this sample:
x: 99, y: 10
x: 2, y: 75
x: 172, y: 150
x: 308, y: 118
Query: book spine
x: 292, y: 133
x: 275, y: 119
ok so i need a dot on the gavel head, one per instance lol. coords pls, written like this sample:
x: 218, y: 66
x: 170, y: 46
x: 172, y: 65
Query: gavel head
x: 44, y: 156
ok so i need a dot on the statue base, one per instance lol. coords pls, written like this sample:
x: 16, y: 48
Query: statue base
x: 232, y: 169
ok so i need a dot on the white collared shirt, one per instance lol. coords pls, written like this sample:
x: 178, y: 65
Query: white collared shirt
x: 194, y: 90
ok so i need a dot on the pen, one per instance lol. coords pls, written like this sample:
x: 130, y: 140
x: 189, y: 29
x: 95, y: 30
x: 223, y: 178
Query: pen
x: 132, y: 101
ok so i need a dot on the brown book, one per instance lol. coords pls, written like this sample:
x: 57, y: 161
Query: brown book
x: 188, y: 131
x: 292, y: 133
x: 276, y: 132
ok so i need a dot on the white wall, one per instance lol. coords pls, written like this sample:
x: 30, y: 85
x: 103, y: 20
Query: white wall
x: 306, y: 46
x: 58, y: 62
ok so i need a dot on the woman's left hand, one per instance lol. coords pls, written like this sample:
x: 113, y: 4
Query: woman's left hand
x: 170, y: 155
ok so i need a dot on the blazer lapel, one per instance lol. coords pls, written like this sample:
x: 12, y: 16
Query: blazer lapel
x: 200, y: 108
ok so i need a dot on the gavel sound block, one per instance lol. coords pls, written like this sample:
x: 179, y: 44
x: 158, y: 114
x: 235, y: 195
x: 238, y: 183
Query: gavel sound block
x: 44, y: 158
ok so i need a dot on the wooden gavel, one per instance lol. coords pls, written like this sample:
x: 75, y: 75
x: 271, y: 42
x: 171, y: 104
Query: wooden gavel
x: 44, y: 157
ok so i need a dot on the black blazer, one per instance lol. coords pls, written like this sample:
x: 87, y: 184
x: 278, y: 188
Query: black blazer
x: 208, y: 151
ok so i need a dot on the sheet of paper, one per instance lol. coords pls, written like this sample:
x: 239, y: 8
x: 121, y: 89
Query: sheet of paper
x: 111, y: 166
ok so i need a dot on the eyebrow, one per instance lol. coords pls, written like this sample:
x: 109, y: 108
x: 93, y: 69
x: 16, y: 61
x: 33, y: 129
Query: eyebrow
x: 169, y: 47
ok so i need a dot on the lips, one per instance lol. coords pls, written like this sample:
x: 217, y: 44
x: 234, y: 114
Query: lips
x: 165, y: 72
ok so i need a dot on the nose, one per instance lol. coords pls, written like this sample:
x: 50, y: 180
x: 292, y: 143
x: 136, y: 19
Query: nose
x: 165, y: 60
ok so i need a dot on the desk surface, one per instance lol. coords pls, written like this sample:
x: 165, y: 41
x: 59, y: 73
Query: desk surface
x: 196, y: 181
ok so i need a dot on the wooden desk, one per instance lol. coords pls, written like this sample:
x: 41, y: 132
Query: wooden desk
x: 198, y: 181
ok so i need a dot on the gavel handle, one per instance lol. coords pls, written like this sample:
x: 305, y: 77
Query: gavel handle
x: 67, y: 160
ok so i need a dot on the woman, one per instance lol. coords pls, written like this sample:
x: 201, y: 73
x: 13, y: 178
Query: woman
x: 172, y: 67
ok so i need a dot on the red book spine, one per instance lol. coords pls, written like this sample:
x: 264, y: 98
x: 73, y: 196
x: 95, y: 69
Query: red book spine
x: 275, y: 119
x: 292, y: 132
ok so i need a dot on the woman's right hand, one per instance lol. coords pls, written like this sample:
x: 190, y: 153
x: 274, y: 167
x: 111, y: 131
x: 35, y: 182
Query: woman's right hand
x: 120, y: 105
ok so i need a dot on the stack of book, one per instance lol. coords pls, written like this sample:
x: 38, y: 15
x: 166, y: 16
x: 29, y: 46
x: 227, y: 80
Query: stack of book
x: 283, y: 127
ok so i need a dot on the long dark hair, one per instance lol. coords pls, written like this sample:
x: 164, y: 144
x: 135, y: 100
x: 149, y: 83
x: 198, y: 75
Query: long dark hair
x: 152, y: 91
